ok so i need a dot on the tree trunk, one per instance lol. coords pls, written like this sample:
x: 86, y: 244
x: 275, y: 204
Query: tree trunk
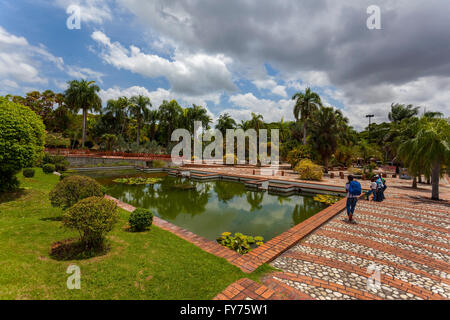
x: 326, y: 165
x: 304, y: 133
x: 420, y: 179
x: 138, y: 131
x: 83, y: 139
x: 414, y: 185
x: 435, y: 175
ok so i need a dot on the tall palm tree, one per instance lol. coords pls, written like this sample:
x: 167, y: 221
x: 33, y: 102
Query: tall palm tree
x: 118, y: 109
x: 83, y: 95
x: 401, y: 111
x: 170, y: 117
x: 305, y: 104
x: 225, y: 122
x: 138, y: 109
x: 196, y: 113
x: 325, y: 133
x: 429, y: 150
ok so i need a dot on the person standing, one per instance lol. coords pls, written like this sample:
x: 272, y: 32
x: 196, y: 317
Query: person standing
x: 353, y: 189
x: 373, y: 190
x: 380, y: 189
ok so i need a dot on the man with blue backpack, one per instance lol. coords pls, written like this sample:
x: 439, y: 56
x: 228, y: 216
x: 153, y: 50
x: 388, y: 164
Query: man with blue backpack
x: 380, y: 188
x: 354, y: 190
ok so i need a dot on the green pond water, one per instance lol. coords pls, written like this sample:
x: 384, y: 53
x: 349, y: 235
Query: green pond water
x: 210, y: 208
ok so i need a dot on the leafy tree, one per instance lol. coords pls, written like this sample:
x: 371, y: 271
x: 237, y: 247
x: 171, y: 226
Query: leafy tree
x: 170, y: 117
x: 225, y: 122
x: 22, y: 139
x: 305, y: 104
x: 429, y: 150
x: 401, y: 111
x: 324, y: 133
x: 82, y: 95
x: 139, y: 110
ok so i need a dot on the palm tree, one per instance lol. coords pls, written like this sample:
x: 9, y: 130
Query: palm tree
x: 170, y: 116
x: 325, y: 133
x: 83, y: 95
x: 225, y: 122
x: 118, y: 109
x: 429, y: 150
x: 256, y: 122
x: 138, y: 109
x: 305, y: 104
x: 196, y: 113
x: 400, y: 112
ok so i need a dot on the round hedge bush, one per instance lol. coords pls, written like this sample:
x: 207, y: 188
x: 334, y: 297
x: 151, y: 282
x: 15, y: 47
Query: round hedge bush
x: 308, y: 170
x: 48, y: 168
x: 22, y: 139
x: 140, y: 219
x: 28, y: 173
x: 92, y: 217
x: 72, y: 189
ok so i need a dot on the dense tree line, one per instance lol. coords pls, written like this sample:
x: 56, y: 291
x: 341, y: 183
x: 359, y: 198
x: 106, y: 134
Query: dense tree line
x: 320, y: 133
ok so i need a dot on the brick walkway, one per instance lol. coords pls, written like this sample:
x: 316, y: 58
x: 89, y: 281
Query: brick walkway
x: 407, y: 240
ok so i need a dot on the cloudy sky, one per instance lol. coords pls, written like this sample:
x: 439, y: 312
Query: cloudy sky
x: 235, y: 56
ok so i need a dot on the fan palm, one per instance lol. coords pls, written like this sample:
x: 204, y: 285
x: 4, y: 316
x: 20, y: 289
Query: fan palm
x: 225, y: 122
x: 138, y: 109
x: 83, y: 95
x: 305, y: 104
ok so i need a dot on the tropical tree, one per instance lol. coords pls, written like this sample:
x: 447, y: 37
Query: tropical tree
x: 401, y: 111
x: 196, y: 113
x: 324, y: 133
x: 116, y: 110
x: 170, y: 116
x: 82, y: 95
x: 225, y: 122
x: 305, y: 104
x: 429, y: 150
x: 138, y: 108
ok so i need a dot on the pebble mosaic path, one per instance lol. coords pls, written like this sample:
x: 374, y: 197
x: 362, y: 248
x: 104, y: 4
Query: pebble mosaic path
x: 398, y: 250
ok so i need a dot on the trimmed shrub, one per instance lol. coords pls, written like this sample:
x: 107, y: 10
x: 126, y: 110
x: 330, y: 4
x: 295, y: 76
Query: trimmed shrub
x: 48, y: 168
x: 22, y: 138
x: 28, y: 173
x: 231, y: 156
x: 140, y: 219
x: 92, y: 217
x: 309, y: 170
x: 60, y: 162
x: 72, y: 189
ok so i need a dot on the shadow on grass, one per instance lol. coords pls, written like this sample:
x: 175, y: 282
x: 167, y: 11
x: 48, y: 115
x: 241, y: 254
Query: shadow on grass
x: 58, y: 218
x: 73, y: 249
x: 13, y: 195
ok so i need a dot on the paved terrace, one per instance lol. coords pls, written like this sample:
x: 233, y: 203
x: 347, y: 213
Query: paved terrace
x: 407, y: 240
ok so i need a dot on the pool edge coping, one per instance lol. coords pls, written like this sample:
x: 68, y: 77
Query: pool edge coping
x: 259, y: 256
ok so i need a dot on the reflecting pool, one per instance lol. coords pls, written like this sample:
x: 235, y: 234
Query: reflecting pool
x: 210, y: 208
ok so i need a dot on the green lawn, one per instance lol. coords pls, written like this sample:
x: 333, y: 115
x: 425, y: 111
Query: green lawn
x: 151, y: 265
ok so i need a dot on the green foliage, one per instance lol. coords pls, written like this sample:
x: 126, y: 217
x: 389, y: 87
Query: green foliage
x: 48, y: 168
x: 299, y: 153
x: 137, y: 180
x: 22, y: 138
x: 56, y: 140
x: 140, y: 219
x: 355, y: 171
x: 309, y: 170
x: 159, y: 164
x: 240, y: 243
x: 28, y: 172
x: 60, y: 162
x: 92, y: 217
x: 327, y: 199
x: 72, y: 189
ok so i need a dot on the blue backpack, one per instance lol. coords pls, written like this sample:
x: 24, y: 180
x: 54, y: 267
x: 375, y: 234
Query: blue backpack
x: 355, y: 188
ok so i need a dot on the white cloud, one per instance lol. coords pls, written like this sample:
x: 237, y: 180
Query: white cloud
x: 271, y: 110
x: 271, y: 85
x: 84, y: 73
x: 193, y: 75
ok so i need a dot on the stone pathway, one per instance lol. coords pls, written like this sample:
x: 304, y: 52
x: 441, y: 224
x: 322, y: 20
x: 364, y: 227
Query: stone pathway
x: 399, y: 249
x: 407, y: 241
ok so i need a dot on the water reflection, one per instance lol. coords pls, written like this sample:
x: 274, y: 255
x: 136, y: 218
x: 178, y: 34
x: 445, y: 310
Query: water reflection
x: 210, y: 208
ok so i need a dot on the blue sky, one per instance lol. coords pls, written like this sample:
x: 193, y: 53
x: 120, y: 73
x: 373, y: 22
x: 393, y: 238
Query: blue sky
x: 230, y: 57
